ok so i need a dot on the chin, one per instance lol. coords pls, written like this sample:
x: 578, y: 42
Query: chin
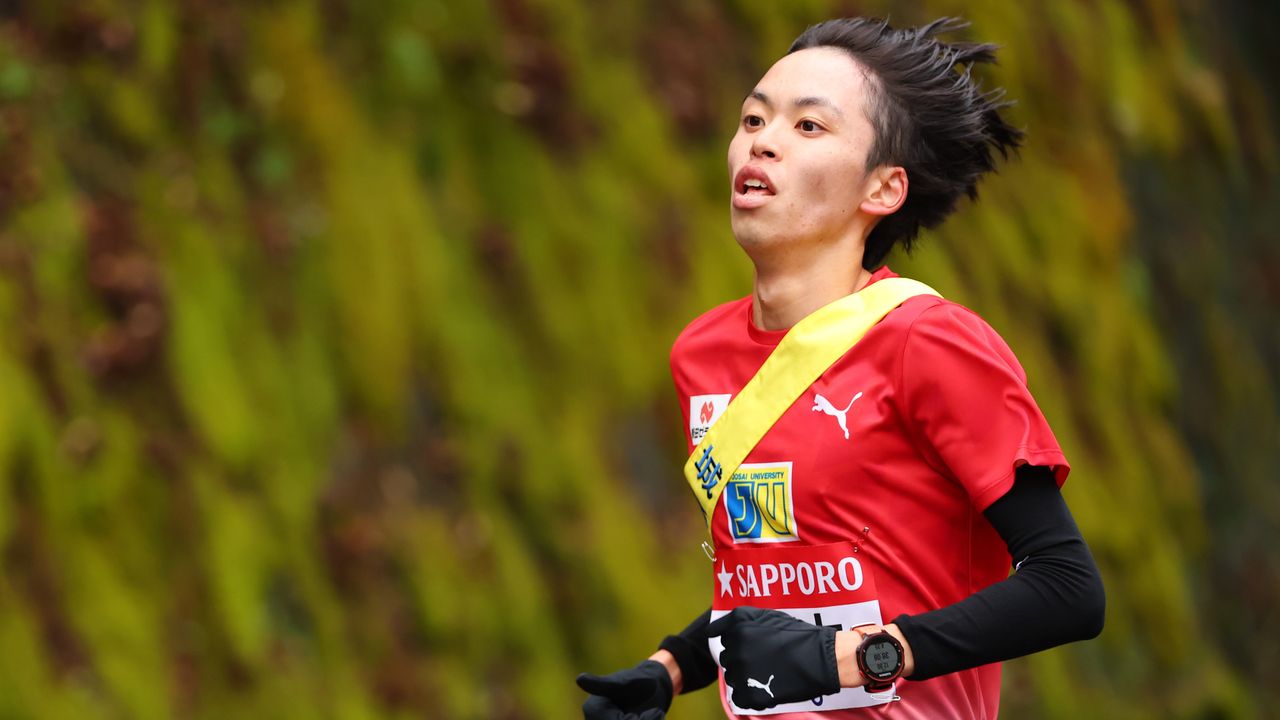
x: 748, y: 234
x: 754, y: 231
x: 745, y: 224
x: 755, y: 239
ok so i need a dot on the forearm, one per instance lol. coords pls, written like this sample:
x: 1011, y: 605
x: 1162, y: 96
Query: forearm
x: 1054, y: 597
x: 1046, y: 604
x: 673, y: 669
x: 688, y: 657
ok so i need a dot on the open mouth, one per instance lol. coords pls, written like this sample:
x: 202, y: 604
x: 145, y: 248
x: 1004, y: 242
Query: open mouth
x: 751, y: 188
x: 754, y: 186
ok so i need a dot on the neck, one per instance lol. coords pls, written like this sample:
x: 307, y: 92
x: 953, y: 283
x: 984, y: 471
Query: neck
x: 787, y: 290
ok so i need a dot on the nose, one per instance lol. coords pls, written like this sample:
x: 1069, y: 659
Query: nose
x: 764, y: 144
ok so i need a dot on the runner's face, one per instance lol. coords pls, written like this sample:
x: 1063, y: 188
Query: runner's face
x: 804, y: 134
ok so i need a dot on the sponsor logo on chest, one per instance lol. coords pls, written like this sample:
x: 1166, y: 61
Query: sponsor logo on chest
x: 704, y: 411
x: 841, y: 415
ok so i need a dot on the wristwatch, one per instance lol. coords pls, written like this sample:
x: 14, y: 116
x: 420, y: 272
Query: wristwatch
x: 880, y: 660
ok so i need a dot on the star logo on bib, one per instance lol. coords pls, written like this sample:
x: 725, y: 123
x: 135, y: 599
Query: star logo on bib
x: 725, y: 576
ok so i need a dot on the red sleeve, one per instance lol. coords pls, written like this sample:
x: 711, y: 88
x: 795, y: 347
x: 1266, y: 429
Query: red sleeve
x: 968, y: 406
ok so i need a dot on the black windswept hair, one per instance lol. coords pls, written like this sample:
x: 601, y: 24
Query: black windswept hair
x: 930, y: 116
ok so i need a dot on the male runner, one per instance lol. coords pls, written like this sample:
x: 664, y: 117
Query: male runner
x: 904, y: 481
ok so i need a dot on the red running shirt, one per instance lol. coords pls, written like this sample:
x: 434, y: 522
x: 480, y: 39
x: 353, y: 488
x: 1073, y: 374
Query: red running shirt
x: 912, y: 434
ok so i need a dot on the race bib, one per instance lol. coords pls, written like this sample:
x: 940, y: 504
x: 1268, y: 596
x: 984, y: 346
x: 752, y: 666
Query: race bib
x: 825, y: 585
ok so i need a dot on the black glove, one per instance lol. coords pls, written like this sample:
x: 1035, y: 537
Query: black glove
x: 771, y: 658
x: 639, y: 693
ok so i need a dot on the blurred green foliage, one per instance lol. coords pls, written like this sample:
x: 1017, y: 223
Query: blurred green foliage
x: 333, y: 342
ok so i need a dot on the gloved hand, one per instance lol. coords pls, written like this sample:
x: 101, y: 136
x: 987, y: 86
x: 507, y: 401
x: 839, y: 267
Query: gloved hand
x: 639, y: 693
x: 771, y: 658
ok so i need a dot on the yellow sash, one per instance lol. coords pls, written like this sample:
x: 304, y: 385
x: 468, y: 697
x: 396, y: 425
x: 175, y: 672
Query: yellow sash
x: 806, y: 351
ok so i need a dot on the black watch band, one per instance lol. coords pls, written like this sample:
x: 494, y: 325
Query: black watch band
x: 880, y: 660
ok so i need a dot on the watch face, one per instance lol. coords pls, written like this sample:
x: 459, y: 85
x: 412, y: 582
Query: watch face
x: 882, y: 659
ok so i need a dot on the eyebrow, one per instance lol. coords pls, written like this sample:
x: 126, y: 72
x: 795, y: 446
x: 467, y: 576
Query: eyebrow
x: 808, y: 101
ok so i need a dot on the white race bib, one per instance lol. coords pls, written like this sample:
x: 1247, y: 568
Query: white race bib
x: 819, y: 584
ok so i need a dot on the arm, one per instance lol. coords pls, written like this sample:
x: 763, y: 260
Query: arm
x: 683, y: 663
x: 688, y: 657
x: 668, y: 661
x: 1054, y: 597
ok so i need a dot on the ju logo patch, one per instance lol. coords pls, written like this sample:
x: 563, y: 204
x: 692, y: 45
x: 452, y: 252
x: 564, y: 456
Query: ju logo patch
x: 758, y: 502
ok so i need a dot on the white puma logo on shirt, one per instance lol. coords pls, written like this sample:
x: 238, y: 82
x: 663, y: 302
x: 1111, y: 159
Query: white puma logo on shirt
x: 823, y: 404
x: 752, y: 682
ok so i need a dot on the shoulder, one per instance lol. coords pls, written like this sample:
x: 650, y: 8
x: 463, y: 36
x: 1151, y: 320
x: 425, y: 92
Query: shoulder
x: 935, y: 313
x: 927, y: 312
x: 938, y: 334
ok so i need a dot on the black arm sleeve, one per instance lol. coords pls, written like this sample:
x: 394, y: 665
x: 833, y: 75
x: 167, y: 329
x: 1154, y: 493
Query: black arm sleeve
x: 693, y: 655
x: 1055, y: 595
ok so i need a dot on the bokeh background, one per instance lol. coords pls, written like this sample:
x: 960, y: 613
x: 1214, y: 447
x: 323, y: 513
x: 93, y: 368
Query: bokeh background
x: 333, y: 342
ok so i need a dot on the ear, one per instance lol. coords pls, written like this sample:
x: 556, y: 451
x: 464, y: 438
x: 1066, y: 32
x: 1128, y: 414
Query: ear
x: 886, y: 191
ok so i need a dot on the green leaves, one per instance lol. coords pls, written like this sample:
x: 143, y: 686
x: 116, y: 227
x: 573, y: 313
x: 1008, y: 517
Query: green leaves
x: 396, y: 446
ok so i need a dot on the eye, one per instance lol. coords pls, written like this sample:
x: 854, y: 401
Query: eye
x: 753, y: 121
x: 809, y: 126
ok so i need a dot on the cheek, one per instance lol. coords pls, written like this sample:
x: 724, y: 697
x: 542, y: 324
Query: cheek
x: 841, y: 182
x: 735, y: 148
x: 829, y: 182
x: 831, y: 190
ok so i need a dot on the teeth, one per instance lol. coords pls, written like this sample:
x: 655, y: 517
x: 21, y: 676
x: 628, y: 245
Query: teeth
x: 756, y: 184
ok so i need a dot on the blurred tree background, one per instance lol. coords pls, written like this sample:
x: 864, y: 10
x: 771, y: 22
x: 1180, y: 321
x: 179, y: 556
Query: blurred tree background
x: 333, y: 342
